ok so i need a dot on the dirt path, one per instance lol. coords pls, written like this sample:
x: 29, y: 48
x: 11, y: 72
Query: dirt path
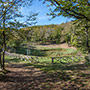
x: 22, y: 77
x: 65, y: 45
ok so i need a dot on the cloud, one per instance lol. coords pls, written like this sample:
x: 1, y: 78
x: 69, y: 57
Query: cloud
x: 43, y: 17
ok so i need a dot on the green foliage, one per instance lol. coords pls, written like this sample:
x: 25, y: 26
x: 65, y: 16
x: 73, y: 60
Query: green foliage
x: 46, y: 52
x: 79, y: 35
x: 78, y: 9
x: 9, y: 14
x: 45, y: 63
x: 35, y: 34
x: 50, y: 33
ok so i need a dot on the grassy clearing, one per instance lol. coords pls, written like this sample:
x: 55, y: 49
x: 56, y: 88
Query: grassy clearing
x: 42, y: 57
x: 12, y: 60
x: 69, y: 71
x: 64, y: 58
x: 49, y: 52
x: 45, y: 63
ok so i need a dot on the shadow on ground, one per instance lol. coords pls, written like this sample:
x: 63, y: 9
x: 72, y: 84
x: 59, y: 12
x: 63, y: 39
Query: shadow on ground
x: 59, y: 66
x: 27, y: 77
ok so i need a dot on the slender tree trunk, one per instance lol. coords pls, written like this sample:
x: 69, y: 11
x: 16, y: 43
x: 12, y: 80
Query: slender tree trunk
x: 0, y: 60
x: 3, y: 33
x: 89, y: 56
x: 4, y: 41
x: 3, y: 59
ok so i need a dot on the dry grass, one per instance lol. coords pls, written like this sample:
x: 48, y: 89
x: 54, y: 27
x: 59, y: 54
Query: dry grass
x: 65, y: 45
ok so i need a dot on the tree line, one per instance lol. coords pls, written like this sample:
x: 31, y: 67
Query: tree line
x: 38, y: 34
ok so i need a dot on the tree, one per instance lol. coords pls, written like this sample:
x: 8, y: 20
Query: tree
x: 81, y: 35
x: 77, y: 9
x: 0, y: 48
x: 9, y: 14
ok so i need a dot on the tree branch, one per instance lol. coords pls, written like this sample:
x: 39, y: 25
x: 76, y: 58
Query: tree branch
x: 76, y: 14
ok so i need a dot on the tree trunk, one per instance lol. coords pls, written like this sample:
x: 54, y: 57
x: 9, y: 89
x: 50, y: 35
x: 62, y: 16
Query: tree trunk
x: 3, y: 53
x: 3, y: 60
x: 0, y: 60
x: 89, y: 56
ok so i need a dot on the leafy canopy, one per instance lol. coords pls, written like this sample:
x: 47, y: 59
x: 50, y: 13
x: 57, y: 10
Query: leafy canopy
x: 10, y: 13
x: 78, y: 9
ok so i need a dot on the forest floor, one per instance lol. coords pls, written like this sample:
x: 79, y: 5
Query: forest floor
x: 23, y: 76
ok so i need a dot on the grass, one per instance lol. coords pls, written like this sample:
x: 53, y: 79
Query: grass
x: 47, y: 51
x: 45, y: 63
x: 52, y: 52
x: 9, y: 59
x: 65, y: 72
x: 1, y: 73
x: 42, y: 58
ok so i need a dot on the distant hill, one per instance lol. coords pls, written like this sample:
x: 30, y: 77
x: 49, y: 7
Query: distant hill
x: 41, y: 34
x: 66, y: 26
x: 48, y: 33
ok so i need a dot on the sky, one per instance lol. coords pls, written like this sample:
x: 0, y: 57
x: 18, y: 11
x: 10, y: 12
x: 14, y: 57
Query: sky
x: 42, y: 18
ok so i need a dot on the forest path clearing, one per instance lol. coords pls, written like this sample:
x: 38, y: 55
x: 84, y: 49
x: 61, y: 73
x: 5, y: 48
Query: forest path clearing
x: 23, y: 77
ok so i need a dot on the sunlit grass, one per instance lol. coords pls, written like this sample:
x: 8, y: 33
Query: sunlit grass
x: 42, y: 58
x: 52, y: 52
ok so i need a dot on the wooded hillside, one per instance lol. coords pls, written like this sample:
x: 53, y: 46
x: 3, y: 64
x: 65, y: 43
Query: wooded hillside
x: 47, y: 34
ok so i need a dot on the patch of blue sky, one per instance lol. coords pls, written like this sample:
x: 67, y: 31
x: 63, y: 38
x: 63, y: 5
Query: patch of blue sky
x: 42, y: 18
